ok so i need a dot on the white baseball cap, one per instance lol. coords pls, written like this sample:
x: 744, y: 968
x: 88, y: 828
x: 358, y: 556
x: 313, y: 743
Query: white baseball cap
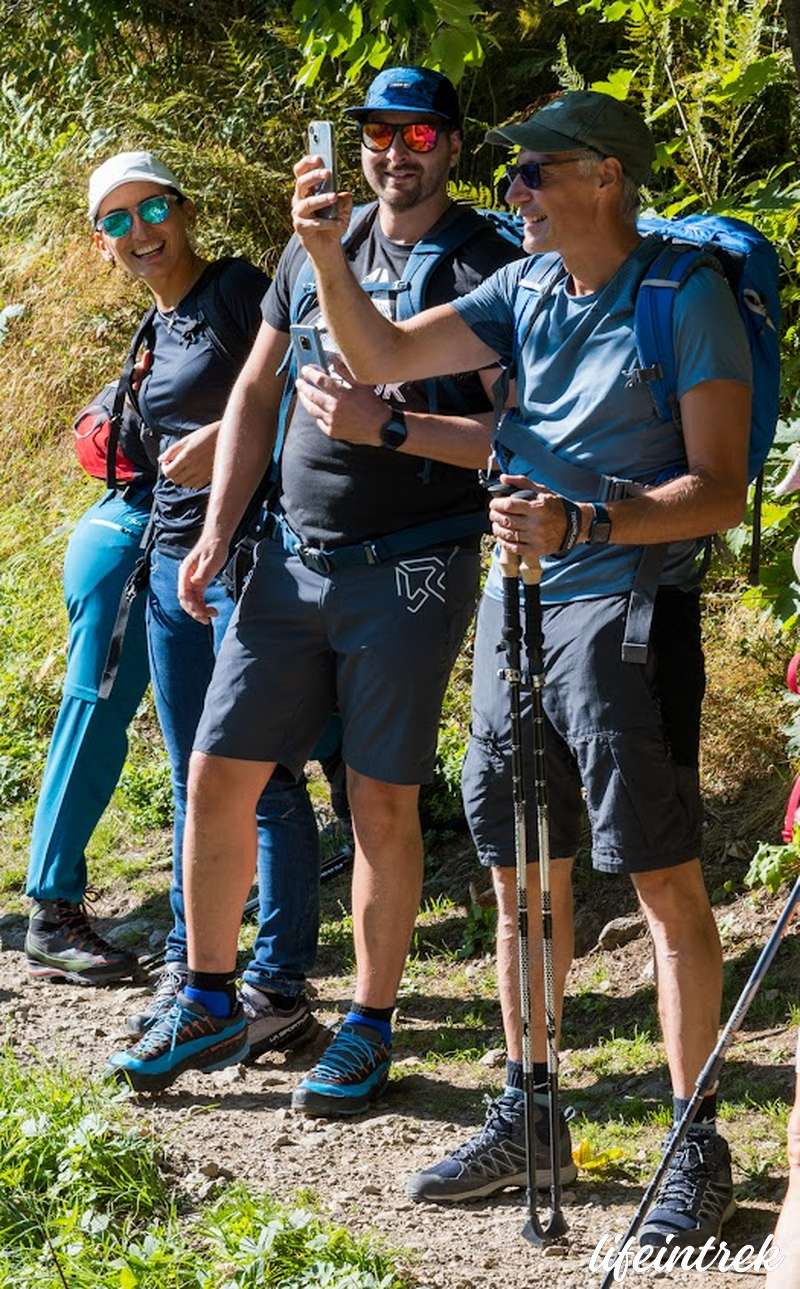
x: 124, y: 168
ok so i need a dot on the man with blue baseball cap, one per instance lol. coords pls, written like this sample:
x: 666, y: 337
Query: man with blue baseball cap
x: 614, y: 479
x: 361, y: 594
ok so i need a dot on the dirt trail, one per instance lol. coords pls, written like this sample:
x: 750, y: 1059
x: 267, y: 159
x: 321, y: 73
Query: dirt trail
x: 238, y: 1121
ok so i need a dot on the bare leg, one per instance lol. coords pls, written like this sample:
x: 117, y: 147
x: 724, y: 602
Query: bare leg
x: 387, y: 883
x: 219, y: 854
x: 505, y: 886
x: 787, y: 1232
x: 689, y: 966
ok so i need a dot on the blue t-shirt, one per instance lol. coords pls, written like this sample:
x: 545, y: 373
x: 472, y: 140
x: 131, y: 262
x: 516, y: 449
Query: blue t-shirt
x: 573, y: 389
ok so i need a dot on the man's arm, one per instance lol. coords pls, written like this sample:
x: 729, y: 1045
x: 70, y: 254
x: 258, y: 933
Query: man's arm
x: 355, y: 414
x: 434, y: 343
x: 244, y: 444
x: 709, y: 497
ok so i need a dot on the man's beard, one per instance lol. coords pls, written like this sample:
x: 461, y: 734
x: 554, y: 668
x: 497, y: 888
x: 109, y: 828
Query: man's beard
x: 425, y: 184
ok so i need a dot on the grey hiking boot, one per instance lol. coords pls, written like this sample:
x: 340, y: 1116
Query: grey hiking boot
x: 695, y: 1197
x: 494, y: 1158
x: 171, y: 980
x: 61, y: 944
x: 273, y: 1028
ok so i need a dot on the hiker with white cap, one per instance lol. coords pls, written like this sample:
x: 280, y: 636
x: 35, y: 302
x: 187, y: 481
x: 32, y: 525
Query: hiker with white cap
x: 194, y: 340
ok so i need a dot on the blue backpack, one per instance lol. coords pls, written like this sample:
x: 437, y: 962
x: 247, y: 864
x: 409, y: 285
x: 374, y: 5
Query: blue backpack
x: 750, y: 266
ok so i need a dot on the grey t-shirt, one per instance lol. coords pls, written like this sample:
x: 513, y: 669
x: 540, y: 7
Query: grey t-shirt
x: 338, y: 493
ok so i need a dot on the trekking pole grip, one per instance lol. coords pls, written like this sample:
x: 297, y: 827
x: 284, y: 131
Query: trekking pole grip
x: 530, y: 570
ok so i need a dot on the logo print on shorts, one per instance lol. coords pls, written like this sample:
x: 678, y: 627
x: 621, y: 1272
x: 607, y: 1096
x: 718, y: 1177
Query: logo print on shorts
x: 419, y: 580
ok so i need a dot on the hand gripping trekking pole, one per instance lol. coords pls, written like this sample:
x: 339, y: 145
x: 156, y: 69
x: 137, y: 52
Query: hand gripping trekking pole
x: 708, y: 1077
x: 512, y: 569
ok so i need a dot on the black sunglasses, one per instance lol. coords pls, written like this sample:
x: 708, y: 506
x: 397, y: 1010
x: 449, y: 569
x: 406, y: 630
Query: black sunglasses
x: 530, y: 172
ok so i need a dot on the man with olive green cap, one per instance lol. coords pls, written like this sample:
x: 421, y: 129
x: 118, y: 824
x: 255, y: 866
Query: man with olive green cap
x: 625, y: 734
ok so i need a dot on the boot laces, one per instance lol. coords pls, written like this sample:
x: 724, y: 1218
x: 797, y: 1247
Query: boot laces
x: 685, y: 1179
x: 170, y: 980
x: 498, y: 1123
x: 74, y: 919
x: 164, y: 1031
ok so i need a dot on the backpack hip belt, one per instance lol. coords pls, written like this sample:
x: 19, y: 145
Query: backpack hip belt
x: 379, y: 550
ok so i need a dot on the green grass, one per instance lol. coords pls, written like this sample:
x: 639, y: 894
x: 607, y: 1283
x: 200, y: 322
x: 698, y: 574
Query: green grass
x: 85, y: 1201
x: 618, y: 1055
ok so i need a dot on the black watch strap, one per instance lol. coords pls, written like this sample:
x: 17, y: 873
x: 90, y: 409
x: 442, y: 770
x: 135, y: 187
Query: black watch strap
x: 600, y: 526
x: 394, y: 431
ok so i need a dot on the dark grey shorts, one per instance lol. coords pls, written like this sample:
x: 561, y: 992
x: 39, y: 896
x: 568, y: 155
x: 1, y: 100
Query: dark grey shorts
x: 622, y: 737
x: 377, y: 642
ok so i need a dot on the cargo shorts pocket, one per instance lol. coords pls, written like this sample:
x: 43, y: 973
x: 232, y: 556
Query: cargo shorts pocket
x: 486, y: 794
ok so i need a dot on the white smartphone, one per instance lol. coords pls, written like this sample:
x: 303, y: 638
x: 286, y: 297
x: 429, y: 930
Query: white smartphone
x: 307, y: 347
x: 322, y: 143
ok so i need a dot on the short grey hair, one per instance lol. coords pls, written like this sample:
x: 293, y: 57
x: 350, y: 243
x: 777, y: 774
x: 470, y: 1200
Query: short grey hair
x: 631, y: 197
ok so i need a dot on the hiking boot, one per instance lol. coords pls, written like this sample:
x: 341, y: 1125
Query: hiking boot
x: 272, y: 1028
x: 348, y: 1077
x: 695, y: 1197
x: 186, y: 1036
x: 495, y: 1157
x: 61, y: 944
x: 171, y: 980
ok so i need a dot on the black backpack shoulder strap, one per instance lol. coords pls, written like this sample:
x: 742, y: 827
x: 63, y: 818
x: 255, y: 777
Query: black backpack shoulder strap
x: 225, y: 329
x: 124, y: 390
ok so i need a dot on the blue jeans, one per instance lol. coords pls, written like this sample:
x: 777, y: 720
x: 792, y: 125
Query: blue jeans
x: 90, y: 737
x: 182, y: 654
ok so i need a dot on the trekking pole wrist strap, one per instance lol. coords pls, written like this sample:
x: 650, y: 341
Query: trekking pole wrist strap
x: 572, y: 531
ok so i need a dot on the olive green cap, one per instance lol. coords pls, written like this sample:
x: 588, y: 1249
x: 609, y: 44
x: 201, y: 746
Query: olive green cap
x: 585, y: 119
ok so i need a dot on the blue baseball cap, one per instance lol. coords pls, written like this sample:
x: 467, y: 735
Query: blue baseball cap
x: 410, y: 89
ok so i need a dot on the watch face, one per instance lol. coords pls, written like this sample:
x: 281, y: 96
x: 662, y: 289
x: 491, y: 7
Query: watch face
x: 393, y: 433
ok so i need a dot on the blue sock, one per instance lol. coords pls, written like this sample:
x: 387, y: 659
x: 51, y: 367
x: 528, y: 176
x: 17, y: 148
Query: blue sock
x: 216, y: 1001
x: 383, y: 1027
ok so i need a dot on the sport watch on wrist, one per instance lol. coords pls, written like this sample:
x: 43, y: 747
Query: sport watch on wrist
x: 394, y: 432
x: 600, y: 526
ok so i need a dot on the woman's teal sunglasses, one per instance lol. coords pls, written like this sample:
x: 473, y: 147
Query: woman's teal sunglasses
x: 153, y: 210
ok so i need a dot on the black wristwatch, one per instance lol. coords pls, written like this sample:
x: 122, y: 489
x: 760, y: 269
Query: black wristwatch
x: 394, y: 432
x: 600, y: 526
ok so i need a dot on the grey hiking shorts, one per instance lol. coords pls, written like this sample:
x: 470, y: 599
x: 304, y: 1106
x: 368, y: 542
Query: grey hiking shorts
x: 623, y: 738
x: 377, y: 642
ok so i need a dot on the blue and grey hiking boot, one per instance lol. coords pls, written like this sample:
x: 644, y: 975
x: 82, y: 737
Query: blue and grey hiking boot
x: 184, y: 1037
x: 273, y: 1028
x: 171, y: 980
x: 695, y: 1197
x: 348, y: 1077
x: 61, y: 944
x: 494, y: 1158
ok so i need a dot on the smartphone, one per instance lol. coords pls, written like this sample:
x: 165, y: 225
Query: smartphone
x: 307, y: 347
x: 322, y: 143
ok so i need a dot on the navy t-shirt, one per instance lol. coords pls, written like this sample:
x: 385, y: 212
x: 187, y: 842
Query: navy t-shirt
x: 191, y: 377
x: 336, y: 493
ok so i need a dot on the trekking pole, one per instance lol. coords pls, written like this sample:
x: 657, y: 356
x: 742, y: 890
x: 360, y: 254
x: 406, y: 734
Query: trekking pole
x: 708, y: 1077
x: 512, y: 568
x: 328, y: 869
